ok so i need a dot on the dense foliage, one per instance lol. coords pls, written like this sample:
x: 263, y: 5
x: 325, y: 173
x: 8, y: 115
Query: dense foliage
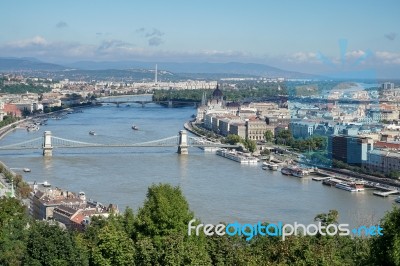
x: 248, y: 144
x: 314, y: 143
x: 8, y: 120
x: 157, y: 235
x: 23, y: 88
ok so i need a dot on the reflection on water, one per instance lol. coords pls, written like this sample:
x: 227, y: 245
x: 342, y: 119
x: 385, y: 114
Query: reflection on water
x: 217, y: 189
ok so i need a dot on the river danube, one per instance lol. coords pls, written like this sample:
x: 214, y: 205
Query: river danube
x: 216, y: 188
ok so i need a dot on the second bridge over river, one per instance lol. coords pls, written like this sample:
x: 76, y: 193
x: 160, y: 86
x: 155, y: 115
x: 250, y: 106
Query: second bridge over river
x: 49, y: 142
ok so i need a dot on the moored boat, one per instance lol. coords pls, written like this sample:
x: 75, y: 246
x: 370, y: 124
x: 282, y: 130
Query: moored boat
x: 352, y: 187
x: 286, y: 170
x: 237, y: 156
x: 134, y: 127
x: 299, y: 172
x: 270, y: 166
x: 273, y: 167
x: 92, y: 133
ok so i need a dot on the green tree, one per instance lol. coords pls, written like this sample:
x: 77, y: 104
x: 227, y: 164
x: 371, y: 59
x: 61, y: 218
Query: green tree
x: 161, y: 230
x: 250, y: 145
x: 113, y: 247
x: 268, y: 136
x: 327, y: 218
x: 51, y: 245
x: 165, y: 210
x: 13, y: 233
x: 128, y: 221
x: 394, y: 174
x: 284, y: 137
x: 385, y: 249
x: 233, y: 139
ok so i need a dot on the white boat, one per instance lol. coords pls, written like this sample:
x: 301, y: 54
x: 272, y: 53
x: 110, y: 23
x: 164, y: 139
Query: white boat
x: 46, y: 184
x: 135, y: 127
x: 32, y: 127
x: 92, y: 133
x: 352, y: 187
x: 273, y: 167
x: 26, y: 170
x: 270, y: 166
x: 237, y: 157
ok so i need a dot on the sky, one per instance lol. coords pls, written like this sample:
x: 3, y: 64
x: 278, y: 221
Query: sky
x: 309, y: 36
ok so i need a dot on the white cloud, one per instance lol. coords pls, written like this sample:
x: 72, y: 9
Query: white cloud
x: 34, y: 41
x: 114, y: 49
x: 388, y: 57
x: 355, y: 54
x: 302, y: 57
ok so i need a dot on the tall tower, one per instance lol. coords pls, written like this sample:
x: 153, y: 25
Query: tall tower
x: 204, y: 99
x: 155, y: 76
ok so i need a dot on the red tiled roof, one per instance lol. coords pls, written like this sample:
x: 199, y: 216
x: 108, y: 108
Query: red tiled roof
x: 389, y: 145
x: 12, y: 109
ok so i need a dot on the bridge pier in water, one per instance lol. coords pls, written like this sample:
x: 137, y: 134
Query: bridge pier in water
x: 183, y: 142
x: 47, y: 147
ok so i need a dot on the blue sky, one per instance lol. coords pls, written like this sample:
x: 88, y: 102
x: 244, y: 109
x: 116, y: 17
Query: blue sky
x: 286, y: 34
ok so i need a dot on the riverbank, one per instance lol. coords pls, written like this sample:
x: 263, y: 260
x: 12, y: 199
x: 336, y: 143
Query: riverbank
x: 189, y: 127
x: 11, y: 127
x: 5, y: 189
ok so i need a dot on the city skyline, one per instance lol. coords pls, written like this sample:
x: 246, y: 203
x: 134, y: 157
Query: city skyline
x: 313, y: 38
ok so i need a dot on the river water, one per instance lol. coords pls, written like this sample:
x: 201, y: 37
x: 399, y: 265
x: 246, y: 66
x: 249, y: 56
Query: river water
x: 216, y: 188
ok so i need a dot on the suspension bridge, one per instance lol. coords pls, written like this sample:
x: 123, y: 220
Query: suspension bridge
x: 49, y: 142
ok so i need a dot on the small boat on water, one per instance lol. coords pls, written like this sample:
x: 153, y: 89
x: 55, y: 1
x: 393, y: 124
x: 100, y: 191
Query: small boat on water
x: 92, y: 133
x: 32, y: 127
x: 135, y: 127
x: 26, y: 170
x: 270, y: 166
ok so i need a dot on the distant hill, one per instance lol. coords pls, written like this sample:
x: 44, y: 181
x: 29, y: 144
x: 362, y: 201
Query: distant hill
x: 27, y: 64
x: 236, y: 68
x: 199, y: 70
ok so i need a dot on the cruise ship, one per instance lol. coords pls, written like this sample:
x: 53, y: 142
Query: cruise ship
x: 352, y: 187
x: 237, y: 156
